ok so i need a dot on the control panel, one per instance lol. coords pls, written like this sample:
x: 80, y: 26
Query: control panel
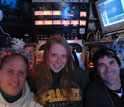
x: 68, y: 18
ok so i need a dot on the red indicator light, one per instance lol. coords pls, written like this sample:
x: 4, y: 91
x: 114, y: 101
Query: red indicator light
x: 9, y: 53
x: 5, y: 53
x: 91, y: 65
x: 71, y: 15
x: 118, y: 55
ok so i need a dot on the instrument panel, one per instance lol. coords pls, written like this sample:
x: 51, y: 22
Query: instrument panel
x: 68, y: 19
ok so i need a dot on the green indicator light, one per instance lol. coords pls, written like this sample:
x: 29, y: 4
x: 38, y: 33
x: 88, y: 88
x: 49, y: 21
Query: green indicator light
x: 72, y: 12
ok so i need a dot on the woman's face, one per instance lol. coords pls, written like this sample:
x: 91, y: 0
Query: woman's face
x: 57, y: 57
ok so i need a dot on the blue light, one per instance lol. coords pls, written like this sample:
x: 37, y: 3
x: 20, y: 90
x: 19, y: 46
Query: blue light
x: 9, y: 3
x: 65, y: 13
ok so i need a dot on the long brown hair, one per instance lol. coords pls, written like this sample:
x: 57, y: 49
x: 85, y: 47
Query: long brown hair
x: 44, y: 79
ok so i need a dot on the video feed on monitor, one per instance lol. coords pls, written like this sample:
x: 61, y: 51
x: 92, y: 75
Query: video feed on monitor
x: 111, y: 15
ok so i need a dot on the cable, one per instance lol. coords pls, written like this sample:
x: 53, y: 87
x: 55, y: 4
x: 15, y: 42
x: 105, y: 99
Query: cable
x: 4, y: 32
x: 116, y: 40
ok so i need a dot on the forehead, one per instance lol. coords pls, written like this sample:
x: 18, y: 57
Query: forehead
x: 14, y: 60
x: 57, y: 47
x: 105, y: 59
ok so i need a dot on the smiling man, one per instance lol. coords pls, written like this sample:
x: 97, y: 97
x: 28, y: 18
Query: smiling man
x: 107, y: 89
x: 14, y: 90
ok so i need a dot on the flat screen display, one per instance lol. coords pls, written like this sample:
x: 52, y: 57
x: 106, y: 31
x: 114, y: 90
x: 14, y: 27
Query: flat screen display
x: 111, y: 15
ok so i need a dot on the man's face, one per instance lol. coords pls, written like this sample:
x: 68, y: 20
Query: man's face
x: 109, y: 70
x: 13, y: 76
x: 57, y: 58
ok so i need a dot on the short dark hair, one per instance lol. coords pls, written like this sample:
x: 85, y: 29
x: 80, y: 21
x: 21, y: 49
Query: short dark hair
x: 104, y: 52
x: 10, y: 56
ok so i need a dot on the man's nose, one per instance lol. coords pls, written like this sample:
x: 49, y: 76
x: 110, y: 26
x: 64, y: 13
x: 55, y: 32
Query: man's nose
x: 16, y: 76
x: 108, y: 67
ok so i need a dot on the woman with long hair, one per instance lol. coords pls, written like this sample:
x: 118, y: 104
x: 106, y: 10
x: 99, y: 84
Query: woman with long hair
x: 58, y: 82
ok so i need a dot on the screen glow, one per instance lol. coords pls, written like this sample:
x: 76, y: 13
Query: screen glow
x: 47, y: 22
x: 74, y: 22
x: 57, y: 22
x: 83, y: 14
x: 82, y: 22
x: 65, y: 22
x: 56, y: 12
x: 112, y: 12
x: 39, y: 22
x: 47, y: 12
x: 38, y: 13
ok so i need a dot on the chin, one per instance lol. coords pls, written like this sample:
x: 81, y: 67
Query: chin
x: 14, y: 93
x: 56, y: 71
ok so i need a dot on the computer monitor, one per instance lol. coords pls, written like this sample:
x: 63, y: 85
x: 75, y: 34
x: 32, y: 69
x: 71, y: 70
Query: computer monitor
x: 111, y: 15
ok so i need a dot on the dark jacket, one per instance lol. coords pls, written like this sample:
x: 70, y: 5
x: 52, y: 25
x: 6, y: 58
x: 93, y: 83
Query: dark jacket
x: 81, y: 80
x: 97, y: 94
